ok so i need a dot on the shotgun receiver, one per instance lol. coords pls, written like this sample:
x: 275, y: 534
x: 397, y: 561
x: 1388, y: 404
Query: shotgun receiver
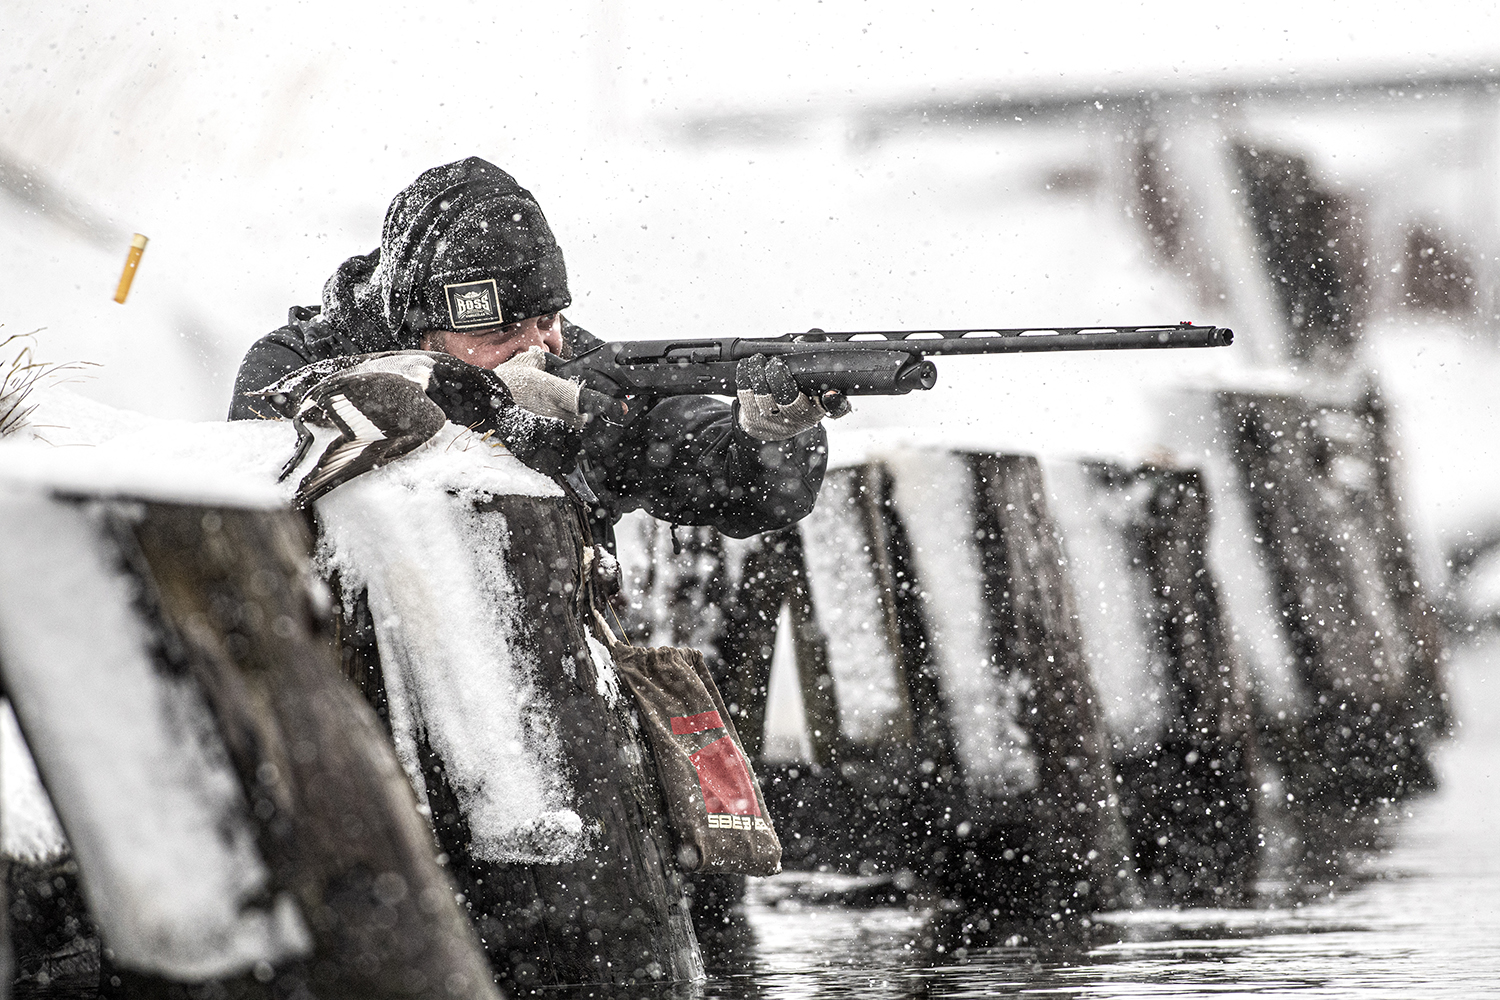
x: 879, y: 363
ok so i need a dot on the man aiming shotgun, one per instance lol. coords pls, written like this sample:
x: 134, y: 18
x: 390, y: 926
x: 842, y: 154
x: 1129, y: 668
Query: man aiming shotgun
x: 468, y: 269
x: 457, y: 318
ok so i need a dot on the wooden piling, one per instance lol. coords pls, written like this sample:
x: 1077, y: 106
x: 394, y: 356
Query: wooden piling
x: 1317, y: 482
x: 885, y: 790
x: 226, y: 604
x: 1209, y: 813
x: 867, y: 809
x: 1071, y: 845
x: 1175, y: 696
x: 338, y: 823
x: 616, y: 914
x: 1190, y: 795
x: 1425, y: 699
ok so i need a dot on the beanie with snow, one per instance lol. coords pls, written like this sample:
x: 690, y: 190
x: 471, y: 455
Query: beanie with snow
x: 464, y: 248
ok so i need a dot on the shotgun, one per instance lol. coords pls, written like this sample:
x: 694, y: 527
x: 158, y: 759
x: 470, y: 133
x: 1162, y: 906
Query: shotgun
x: 872, y: 363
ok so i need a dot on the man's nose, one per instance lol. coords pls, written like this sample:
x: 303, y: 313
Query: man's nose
x: 551, y: 336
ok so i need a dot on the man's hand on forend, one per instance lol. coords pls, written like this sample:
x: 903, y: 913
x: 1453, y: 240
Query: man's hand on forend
x: 772, y: 408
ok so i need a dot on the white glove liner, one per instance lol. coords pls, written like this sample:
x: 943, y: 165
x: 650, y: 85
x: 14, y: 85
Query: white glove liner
x: 762, y: 417
x: 534, y: 389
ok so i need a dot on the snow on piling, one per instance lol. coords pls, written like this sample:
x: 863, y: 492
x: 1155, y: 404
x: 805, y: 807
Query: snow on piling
x: 463, y: 581
x: 929, y: 633
x: 1101, y: 697
x: 1315, y: 482
x: 1076, y: 857
x: 460, y: 677
x: 133, y: 758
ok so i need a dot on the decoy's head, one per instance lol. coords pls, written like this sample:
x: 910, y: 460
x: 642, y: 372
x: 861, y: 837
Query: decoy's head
x: 470, y: 396
x: 469, y: 267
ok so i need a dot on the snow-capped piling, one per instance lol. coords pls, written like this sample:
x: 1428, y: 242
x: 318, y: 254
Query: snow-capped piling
x: 1366, y: 701
x: 852, y: 581
x: 1070, y: 851
x: 850, y: 803
x: 234, y: 810
x: 503, y: 708
x: 967, y: 716
x: 1172, y: 691
x: 770, y: 603
x: 465, y: 581
x: 1425, y: 697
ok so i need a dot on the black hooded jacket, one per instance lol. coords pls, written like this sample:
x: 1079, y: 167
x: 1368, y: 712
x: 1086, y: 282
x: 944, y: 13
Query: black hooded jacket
x: 684, y: 459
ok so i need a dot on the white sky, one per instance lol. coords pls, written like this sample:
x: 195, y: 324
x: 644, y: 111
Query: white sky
x: 88, y: 91
x: 680, y: 56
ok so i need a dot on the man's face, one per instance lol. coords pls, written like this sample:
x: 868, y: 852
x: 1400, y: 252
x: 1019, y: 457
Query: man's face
x: 497, y: 345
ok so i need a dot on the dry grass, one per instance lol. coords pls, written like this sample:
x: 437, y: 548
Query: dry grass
x: 21, y: 375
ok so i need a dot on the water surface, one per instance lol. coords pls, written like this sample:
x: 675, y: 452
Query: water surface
x: 1416, y: 916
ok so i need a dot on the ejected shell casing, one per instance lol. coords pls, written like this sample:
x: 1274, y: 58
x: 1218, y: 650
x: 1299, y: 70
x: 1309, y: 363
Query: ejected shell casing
x: 132, y: 260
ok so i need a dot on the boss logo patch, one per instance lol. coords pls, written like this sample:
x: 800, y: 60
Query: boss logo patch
x: 472, y: 304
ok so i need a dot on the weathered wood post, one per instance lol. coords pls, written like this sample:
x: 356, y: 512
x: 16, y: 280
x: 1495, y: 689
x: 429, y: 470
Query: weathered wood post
x: 231, y: 583
x: 1426, y: 696
x: 511, y: 722
x: 863, y: 687
x: 1325, y: 519
x: 1072, y: 848
x: 849, y: 805
x: 770, y: 586
x: 1172, y: 691
x: 236, y: 814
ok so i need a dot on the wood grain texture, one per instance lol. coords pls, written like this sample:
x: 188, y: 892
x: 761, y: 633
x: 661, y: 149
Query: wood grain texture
x: 1327, y: 521
x: 336, y: 820
x: 1189, y: 803
x: 617, y: 914
x: 1069, y: 851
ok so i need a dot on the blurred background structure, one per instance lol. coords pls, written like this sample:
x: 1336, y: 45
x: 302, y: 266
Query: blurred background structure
x: 1325, y: 181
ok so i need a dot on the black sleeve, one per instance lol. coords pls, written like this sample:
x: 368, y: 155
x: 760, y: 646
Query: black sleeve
x: 686, y: 460
x: 268, y: 359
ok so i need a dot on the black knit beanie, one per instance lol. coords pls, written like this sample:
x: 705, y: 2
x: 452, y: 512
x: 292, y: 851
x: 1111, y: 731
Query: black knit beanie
x: 463, y: 248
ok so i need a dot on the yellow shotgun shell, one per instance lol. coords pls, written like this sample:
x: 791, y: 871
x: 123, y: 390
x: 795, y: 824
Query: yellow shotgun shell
x: 132, y: 260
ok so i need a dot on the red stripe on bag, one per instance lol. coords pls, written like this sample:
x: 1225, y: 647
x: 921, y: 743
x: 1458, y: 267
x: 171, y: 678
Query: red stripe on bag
x: 724, y: 776
x: 682, y: 725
